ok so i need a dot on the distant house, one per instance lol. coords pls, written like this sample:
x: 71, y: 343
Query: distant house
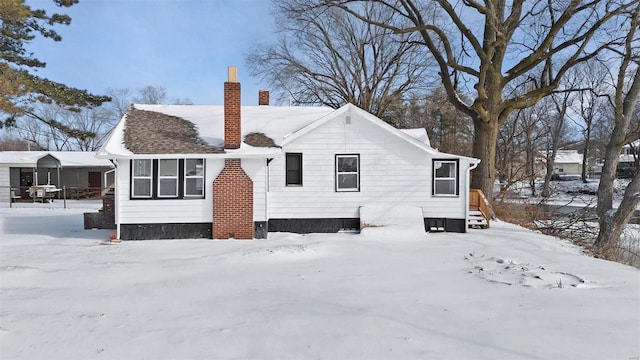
x: 567, y: 163
x: 628, y: 160
x: 80, y: 172
x: 232, y: 171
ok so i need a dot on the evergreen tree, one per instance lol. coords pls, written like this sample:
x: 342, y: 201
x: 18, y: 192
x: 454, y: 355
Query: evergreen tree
x: 20, y: 88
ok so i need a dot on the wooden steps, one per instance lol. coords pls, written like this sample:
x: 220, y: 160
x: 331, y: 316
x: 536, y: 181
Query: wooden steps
x: 479, y: 210
x: 477, y: 220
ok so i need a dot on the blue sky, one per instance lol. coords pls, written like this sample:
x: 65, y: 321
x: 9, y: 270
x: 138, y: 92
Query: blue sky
x: 183, y: 45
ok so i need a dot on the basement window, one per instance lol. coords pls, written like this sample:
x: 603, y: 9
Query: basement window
x: 445, y: 177
x: 348, y: 172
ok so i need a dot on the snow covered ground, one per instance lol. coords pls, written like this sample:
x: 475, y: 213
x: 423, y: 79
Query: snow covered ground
x: 501, y: 293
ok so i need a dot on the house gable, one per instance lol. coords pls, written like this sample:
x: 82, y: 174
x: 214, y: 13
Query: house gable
x: 349, y: 113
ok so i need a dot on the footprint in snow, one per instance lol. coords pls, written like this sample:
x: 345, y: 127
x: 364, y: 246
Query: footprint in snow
x: 510, y: 272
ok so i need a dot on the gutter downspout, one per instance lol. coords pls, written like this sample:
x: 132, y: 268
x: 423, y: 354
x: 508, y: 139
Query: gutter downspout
x: 106, y: 178
x: 116, y: 202
x: 60, y: 185
x: 267, y: 196
x: 468, y: 188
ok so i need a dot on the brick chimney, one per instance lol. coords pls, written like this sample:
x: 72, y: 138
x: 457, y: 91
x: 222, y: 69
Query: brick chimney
x: 232, y: 131
x: 263, y: 97
x: 233, y: 203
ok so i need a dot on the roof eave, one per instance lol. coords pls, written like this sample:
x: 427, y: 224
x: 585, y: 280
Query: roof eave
x: 227, y: 155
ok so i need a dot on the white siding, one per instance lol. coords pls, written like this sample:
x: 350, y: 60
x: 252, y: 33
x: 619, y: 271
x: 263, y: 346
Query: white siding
x: 392, y: 172
x: 191, y: 210
x: 165, y: 211
x: 5, y: 186
x: 568, y: 169
x: 256, y: 170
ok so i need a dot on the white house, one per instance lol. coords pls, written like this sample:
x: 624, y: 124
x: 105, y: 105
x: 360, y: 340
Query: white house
x: 566, y: 163
x: 628, y: 159
x: 74, y: 169
x: 232, y: 171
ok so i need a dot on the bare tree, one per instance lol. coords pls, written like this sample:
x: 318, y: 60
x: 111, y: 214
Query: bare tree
x: 521, y: 139
x: 151, y: 94
x: 627, y: 91
x: 588, y: 108
x: 555, y: 121
x: 99, y: 121
x: 121, y: 100
x: 9, y: 141
x: 535, y: 134
x: 483, y: 47
x: 33, y: 132
x: 326, y: 56
x: 513, y: 155
x: 51, y: 127
x: 45, y: 125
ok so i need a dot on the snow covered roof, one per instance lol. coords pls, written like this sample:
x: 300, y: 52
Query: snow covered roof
x: 66, y: 158
x: 628, y: 158
x: 419, y: 134
x: 568, y: 157
x: 151, y: 132
x: 628, y: 151
x: 199, y: 129
x: 273, y: 122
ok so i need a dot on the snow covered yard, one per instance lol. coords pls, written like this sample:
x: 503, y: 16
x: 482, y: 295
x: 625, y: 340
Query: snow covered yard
x: 502, y: 293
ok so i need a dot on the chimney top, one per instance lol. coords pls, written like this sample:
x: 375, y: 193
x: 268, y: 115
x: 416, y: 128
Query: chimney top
x: 232, y: 131
x: 263, y: 97
x: 232, y: 73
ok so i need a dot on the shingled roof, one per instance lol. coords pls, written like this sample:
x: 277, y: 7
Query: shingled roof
x: 150, y: 132
x: 258, y: 139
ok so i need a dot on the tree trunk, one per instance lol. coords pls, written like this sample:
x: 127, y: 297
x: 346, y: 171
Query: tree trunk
x: 531, y: 165
x: 550, y: 163
x: 484, y: 148
x: 585, y: 154
x: 612, y: 222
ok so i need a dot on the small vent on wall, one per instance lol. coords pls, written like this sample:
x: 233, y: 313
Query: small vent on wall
x: 347, y: 119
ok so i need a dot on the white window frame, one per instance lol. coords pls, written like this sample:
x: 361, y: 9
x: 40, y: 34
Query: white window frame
x: 135, y: 177
x: 338, y: 173
x: 175, y: 177
x: 187, y: 176
x: 456, y: 183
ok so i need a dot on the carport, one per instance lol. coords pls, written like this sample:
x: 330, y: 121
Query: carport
x: 80, y: 172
